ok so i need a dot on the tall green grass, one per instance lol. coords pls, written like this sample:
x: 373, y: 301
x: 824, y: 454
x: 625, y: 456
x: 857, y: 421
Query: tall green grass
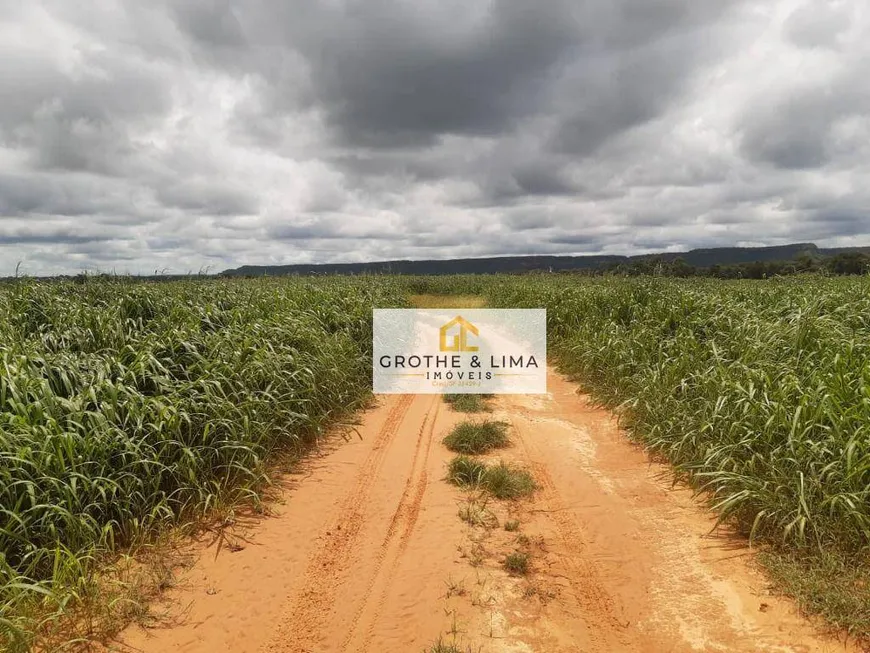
x: 126, y: 407
x: 758, y: 391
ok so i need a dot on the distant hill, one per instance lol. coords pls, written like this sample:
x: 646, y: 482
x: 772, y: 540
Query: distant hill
x: 702, y: 258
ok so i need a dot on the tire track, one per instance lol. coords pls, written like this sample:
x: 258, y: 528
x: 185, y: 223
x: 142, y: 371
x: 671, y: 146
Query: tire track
x: 405, y: 517
x: 599, y: 605
x: 306, y: 617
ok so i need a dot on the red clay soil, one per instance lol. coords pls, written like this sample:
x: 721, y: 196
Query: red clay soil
x: 366, y: 552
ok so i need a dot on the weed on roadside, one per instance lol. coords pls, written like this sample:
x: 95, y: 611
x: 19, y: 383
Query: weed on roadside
x: 455, y: 588
x: 444, y: 647
x: 474, y: 512
x: 832, y: 584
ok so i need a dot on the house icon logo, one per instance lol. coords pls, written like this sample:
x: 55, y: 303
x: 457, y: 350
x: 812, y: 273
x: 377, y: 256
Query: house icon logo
x: 454, y: 335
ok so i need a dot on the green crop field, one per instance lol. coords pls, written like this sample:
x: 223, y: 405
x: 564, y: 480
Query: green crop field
x: 127, y: 407
x: 759, y: 390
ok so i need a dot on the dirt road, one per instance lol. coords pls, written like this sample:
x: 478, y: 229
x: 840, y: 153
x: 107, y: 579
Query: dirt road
x: 367, y: 552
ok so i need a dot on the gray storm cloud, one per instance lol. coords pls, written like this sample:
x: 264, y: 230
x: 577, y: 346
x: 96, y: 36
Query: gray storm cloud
x: 185, y: 135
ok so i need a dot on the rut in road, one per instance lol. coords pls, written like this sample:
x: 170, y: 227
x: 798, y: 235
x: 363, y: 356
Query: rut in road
x: 367, y: 552
x: 403, y: 522
x: 329, y: 564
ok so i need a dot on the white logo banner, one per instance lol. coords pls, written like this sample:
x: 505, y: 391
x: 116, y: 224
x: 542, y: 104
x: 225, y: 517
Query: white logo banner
x: 463, y: 351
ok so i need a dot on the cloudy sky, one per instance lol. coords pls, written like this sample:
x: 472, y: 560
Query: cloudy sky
x: 139, y: 136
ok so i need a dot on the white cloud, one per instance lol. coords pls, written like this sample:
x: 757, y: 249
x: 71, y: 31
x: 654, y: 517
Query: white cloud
x: 139, y: 137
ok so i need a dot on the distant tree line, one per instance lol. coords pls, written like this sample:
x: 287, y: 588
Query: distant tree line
x: 841, y: 264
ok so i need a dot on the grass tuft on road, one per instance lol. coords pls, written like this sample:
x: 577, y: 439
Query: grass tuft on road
x: 444, y: 647
x: 467, y: 403
x: 465, y: 471
x: 476, y: 438
x: 517, y: 563
x: 505, y: 481
x: 501, y: 480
